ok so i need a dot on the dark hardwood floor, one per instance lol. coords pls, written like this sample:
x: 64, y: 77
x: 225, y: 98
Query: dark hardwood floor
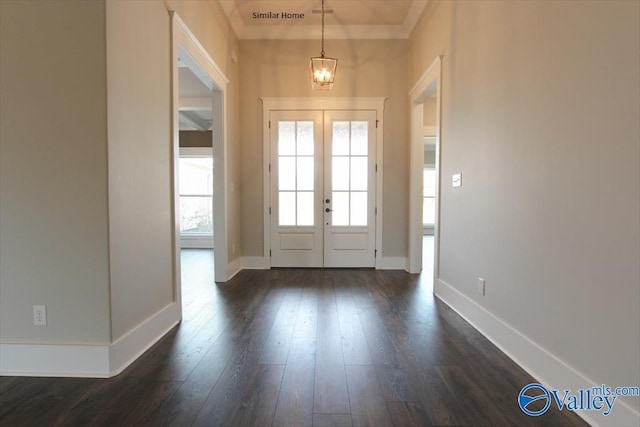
x: 292, y: 347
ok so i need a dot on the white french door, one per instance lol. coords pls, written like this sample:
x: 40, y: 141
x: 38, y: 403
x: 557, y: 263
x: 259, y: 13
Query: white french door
x: 322, y: 184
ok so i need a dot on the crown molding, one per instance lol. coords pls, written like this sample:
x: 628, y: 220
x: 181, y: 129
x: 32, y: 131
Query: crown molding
x: 293, y: 31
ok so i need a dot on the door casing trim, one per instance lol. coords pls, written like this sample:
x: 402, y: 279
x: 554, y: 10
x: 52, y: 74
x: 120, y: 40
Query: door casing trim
x: 277, y: 104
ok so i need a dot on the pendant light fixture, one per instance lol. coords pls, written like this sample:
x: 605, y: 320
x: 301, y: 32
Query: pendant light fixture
x: 322, y: 69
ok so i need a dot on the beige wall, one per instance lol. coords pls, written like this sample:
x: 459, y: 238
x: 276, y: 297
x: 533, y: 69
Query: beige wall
x: 53, y: 172
x: 139, y: 147
x: 540, y: 115
x: 85, y: 193
x: 366, y: 68
x: 429, y: 111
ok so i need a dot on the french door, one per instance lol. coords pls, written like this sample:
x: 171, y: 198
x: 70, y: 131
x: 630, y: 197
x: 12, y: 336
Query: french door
x: 322, y: 182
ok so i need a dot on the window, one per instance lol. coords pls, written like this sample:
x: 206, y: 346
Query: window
x: 428, y: 197
x: 196, y: 195
x: 295, y: 173
x: 349, y: 181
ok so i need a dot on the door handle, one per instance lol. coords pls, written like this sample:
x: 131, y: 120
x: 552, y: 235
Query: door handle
x: 328, y: 210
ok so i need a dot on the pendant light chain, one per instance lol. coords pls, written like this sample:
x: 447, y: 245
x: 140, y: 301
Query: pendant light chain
x: 322, y: 51
x: 322, y: 69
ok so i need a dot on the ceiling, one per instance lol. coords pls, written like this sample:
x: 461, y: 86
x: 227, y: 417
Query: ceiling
x: 195, y: 101
x: 295, y: 19
x: 350, y: 19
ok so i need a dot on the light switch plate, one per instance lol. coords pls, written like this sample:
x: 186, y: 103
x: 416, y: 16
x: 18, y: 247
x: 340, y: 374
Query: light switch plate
x: 456, y: 180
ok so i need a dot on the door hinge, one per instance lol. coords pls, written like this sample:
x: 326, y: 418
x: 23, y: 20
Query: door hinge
x: 270, y: 124
x: 375, y: 253
x: 376, y: 167
x: 377, y: 123
x: 376, y: 210
x: 269, y: 167
x: 269, y: 253
x: 269, y: 210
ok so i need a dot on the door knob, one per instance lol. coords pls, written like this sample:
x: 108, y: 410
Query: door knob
x: 328, y: 210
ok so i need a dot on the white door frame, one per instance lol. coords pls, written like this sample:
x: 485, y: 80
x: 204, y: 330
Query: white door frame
x: 275, y: 104
x: 429, y: 82
x: 186, y: 46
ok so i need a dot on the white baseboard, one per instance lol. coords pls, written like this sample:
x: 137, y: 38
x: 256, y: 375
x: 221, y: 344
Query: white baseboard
x: 129, y: 347
x: 392, y: 263
x: 542, y: 365
x: 36, y: 360
x: 92, y: 361
x: 234, y: 267
x: 262, y: 263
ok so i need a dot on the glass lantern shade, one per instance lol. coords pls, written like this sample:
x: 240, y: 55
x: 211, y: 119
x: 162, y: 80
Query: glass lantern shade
x: 323, y: 72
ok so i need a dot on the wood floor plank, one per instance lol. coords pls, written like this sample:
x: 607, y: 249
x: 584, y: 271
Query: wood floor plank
x: 354, y: 343
x: 393, y: 374
x: 367, y: 403
x: 183, y: 406
x: 307, y: 321
x: 476, y: 403
x: 242, y: 373
x: 408, y: 414
x: 276, y: 346
x: 44, y: 399
x: 142, y: 412
x: 330, y: 388
x: 332, y: 420
x: 248, y: 402
x: 295, y: 402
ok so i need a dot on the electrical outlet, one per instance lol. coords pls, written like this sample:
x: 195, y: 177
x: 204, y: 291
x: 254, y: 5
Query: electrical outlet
x: 481, y: 286
x: 40, y: 315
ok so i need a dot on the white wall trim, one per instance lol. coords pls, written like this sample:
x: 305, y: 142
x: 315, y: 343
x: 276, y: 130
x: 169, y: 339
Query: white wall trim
x: 196, y: 242
x: 541, y: 364
x: 130, y: 346
x: 92, y: 361
x: 391, y: 263
x: 199, y: 53
x: 429, y: 82
x: 233, y: 268
x: 36, y: 360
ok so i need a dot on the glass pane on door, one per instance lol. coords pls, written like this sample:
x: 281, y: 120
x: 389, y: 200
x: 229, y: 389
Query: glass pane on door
x: 349, y: 173
x: 295, y: 173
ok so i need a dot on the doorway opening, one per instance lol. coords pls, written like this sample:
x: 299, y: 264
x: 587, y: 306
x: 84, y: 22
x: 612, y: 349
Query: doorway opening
x: 199, y: 194
x: 424, y: 210
x: 196, y: 197
x: 195, y: 165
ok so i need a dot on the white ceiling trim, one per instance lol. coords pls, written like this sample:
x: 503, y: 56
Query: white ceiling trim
x: 331, y: 32
x: 413, y: 16
x: 335, y: 32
